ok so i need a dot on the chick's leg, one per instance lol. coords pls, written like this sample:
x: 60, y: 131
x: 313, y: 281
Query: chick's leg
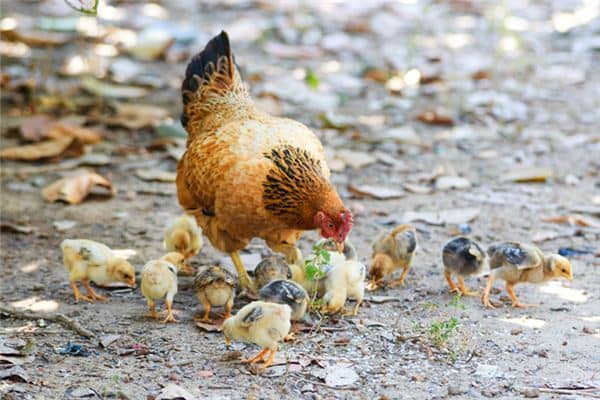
x: 485, y: 297
x: 453, y: 287
x: 152, y: 307
x: 77, y: 294
x: 463, y: 289
x: 400, y: 281
x: 169, y: 317
x: 259, y: 357
x: 270, y: 359
x: 516, y: 303
x: 228, y: 308
x: 90, y: 291
x: 241, y: 272
x: 207, y: 306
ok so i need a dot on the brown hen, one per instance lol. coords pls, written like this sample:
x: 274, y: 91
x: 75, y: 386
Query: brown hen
x: 247, y: 174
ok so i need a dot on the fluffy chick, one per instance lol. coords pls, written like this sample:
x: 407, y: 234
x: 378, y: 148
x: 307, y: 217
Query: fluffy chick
x: 462, y: 257
x: 270, y: 269
x: 159, y: 280
x: 87, y: 260
x: 392, y: 251
x: 517, y: 262
x: 215, y: 287
x: 184, y: 236
x: 284, y: 291
x: 262, y: 323
x: 348, y: 253
x: 344, y: 280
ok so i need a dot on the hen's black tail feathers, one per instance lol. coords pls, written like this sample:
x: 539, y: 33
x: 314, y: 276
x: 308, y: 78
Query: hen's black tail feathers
x: 210, y: 72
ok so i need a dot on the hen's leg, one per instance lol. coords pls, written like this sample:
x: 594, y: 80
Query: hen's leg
x: 77, y: 294
x: 241, y: 272
x: 90, y: 291
x: 463, y: 289
x: 291, y: 252
x: 516, y: 303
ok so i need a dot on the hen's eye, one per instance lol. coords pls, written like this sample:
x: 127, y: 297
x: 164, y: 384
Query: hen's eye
x: 330, y: 225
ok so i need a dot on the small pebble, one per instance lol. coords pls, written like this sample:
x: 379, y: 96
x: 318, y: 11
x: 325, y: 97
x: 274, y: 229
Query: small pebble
x: 455, y: 390
x: 530, y: 393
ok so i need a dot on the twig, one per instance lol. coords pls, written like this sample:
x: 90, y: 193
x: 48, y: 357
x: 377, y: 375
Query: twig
x: 579, y: 392
x: 60, y: 318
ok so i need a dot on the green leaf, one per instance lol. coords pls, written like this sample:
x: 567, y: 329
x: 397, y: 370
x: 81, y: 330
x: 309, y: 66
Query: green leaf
x: 312, y: 80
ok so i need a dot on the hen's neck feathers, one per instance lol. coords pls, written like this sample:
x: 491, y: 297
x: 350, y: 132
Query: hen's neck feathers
x: 295, y: 188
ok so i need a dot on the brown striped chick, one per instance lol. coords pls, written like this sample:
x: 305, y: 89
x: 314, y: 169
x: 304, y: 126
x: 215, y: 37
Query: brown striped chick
x: 270, y: 269
x: 215, y: 287
x: 262, y: 323
x: 517, y: 262
x: 391, y: 252
x: 184, y: 236
x: 87, y: 261
x: 159, y: 281
x: 343, y: 280
x: 463, y: 257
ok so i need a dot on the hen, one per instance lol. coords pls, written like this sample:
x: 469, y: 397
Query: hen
x: 247, y: 174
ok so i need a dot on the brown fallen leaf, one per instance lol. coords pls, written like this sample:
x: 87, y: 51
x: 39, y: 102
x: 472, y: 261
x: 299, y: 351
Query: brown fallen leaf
x: 74, y: 189
x: 571, y: 219
x: 378, y: 192
x: 480, y: 75
x: 208, y: 327
x: 155, y: 175
x: 40, y: 127
x: 433, y: 118
x: 137, y: 116
x: 37, y: 38
x: 441, y: 217
x: 528, y: 174
x: 174, y: 392
x: 49, y: 150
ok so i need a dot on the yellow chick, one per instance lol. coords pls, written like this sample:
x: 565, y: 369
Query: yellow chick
x: 516, y: 262
x: 270, y: 269
x: 215, y: 287
x: 264, y: 324
x: 344, y: 280
x: 390, y: 252
x: 87, y: 260
x: 159, y: 280
x: 463, y: 257
x: 184, y: 236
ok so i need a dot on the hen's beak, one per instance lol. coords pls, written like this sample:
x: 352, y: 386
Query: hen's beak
x: 340, y: 246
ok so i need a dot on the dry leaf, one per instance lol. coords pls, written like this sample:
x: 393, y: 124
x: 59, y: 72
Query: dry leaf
x: 49, y: 150
x: 528, y: 174
x: 419, y: 189
x: 208, y: 327
x: 62, y: 129
x: 378, y: 192
x: 340, y: 375
x: 104, y: 89
x: 137, y: 116
x: 37, y: 38
x: 174, y: 392
x: 433, y: 118
x: 155, y: 175
x: 76, y: 188
x: 450, y: 216
x: 572, y: 219
x: 447, y: 182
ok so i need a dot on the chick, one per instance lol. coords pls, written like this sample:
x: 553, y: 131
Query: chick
x: 390, y: 252
x: 516, y: 262
x: 264, y: 324
x: 344, y: 280
x: 270, y: 269
x: 159, y: 280
x: 87, y: 260
x: 283, y: 291
x: 347, y: 253
x: 215, y: 287
x: 184, y: 236
x: 463, y: 257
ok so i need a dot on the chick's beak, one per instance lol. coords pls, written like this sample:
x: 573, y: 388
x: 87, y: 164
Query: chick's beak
x: 340, y: 246
x: 131, y: 283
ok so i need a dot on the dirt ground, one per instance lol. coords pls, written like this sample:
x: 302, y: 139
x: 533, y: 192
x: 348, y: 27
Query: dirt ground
x: 534, y: 103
